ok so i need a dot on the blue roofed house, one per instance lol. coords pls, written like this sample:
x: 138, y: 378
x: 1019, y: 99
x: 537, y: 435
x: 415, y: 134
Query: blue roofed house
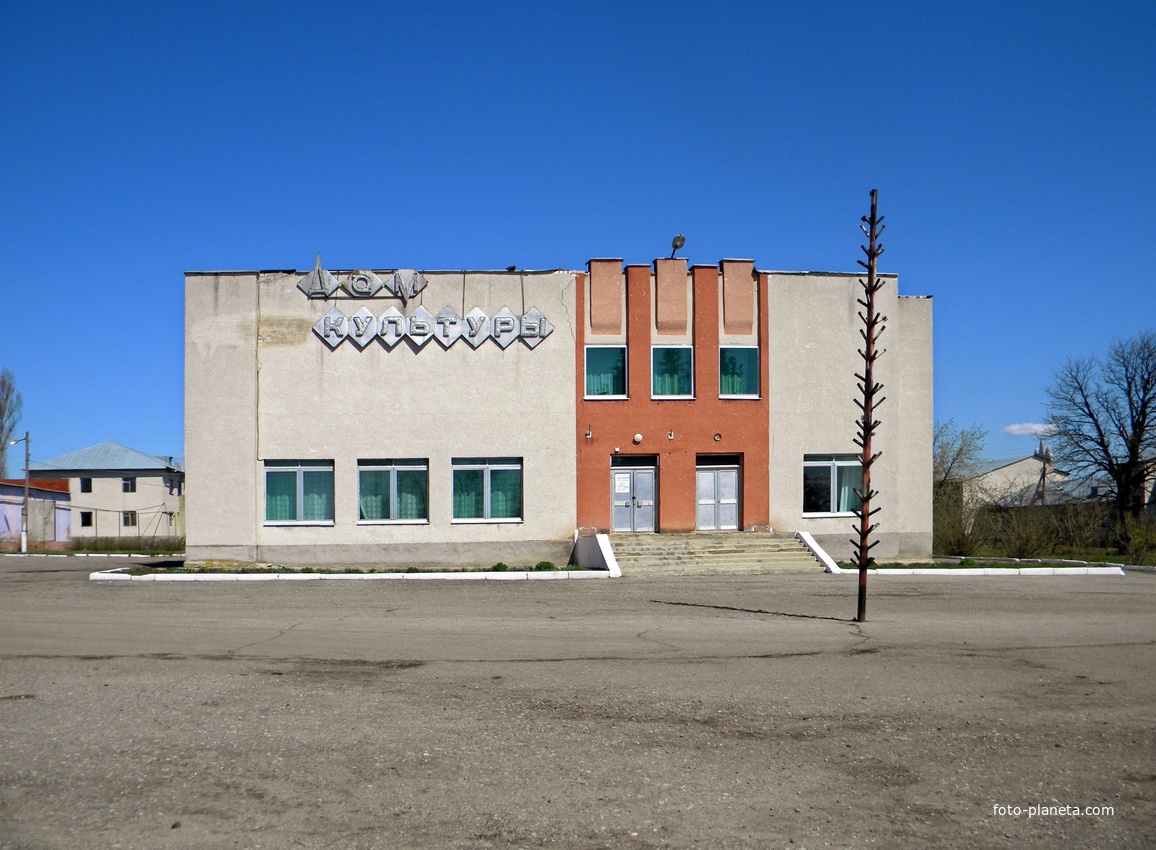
x: 120, y: 492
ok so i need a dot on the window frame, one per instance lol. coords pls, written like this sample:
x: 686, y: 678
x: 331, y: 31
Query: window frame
x: 129, y: 519
x: 392, y: 466
x: 487, y: 465
x: 128, y: 484
x: 758, y: 372
x: 86, y: 485
x: 654, y: 349
x: 833, y: 463
x: 86, y: 519
x: 300, y: 468
x: 586, y: 394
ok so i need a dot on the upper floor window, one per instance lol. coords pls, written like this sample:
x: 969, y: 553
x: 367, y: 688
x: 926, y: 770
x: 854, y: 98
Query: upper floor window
x: 672, y: 371
x: 738, y: 372
x: 85, y: 485
x: 606, y: 371
x: 392, y: 490
x: 487, y: 488
x: 128, y: 485
x: 829, y: 484
x: 299, y: 491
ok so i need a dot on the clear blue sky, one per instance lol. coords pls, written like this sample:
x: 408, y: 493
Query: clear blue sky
x: 1012, y: 145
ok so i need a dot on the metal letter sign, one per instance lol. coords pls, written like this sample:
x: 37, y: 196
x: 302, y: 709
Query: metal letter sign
x: 419, y: 326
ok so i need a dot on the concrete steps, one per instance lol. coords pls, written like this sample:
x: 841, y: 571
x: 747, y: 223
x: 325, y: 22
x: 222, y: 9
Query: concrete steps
x: 735, y: 553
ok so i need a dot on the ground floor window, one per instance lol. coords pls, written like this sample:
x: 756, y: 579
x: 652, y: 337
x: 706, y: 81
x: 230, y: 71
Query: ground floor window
x: 299, y: 491
x: 487, y: 488
x: 829, y: 483
x: 127, y: 519
x: 393, y: 490
x: 86, y: 519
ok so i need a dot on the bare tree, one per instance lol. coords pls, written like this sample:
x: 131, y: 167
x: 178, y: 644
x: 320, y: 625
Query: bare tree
x: 10, y: 404
x: 955, y: 456
x: 955, y: 452
x: 1104, y: 416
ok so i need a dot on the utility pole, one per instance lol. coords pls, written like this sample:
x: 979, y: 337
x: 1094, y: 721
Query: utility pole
x: 24, y: 507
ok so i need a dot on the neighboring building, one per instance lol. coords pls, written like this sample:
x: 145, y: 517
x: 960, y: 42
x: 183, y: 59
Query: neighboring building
x: 1024, y: 481
x: 120, y: 492
x: 48, y: 511
x: 464, y: 418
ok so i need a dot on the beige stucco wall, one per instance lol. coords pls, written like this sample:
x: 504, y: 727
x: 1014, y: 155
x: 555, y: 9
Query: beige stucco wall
x: 261, y: 385
x: 813, y: 357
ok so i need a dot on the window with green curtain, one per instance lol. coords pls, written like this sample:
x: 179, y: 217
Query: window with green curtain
x: 317, y: 493
x: 606, y: 370
x: 299, y: 491
x: 393, y: 490
x: 469, y: 493
x: 280, y: 495
x: 487, y: 488
x: 738, y: 371
x: 829, y: 483
x: 505, y: 493
x: 373, y: 494
x: 671, y: 371
x: 850, y: 479
x: 412, y: 494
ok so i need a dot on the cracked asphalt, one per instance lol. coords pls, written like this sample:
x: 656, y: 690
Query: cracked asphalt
x: 712, y: 712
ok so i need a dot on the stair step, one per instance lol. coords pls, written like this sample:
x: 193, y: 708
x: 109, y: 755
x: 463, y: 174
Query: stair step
x: 711, y: 554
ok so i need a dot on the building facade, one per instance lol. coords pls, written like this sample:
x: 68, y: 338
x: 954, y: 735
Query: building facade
x: 399, y: 418
x: 116, y: 491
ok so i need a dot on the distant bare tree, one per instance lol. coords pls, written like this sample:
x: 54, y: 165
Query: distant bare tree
x: 1104, y: 415
x: 955, y: 452
x: 955, y: 456
x: 10, y: 404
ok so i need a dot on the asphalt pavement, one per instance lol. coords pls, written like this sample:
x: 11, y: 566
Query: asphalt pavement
x: 709, y: 712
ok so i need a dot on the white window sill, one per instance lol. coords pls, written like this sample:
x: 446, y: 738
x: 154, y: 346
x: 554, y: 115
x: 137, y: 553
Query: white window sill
x: 741, y: 397
x: 393, y: 522
x: 487, y: 521
x: 303, y: 523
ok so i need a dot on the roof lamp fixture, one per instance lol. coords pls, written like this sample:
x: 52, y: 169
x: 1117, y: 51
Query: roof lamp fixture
x: 676, y: 243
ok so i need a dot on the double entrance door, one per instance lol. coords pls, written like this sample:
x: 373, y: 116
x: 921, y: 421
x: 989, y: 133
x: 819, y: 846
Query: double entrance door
x: 716, y: 498
x: 634, y: 494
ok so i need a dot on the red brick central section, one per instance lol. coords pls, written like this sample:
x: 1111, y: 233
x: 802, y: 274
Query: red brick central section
x: 703, y: 426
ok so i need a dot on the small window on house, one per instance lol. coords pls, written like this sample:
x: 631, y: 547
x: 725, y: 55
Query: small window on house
x: 829, y: 484
x: 672, y: 371
x: 128, y: 485
x: 738, y: 369
x: 128, y: 519
x: 85, y: 485
x: 487, y: 488
x: 299, y: 492
x: 86, y: 519
x: 606, y: 371
x: 393, y: 490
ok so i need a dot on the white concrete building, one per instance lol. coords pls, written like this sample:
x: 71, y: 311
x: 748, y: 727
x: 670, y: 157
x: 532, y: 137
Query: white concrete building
x: 398, y: 418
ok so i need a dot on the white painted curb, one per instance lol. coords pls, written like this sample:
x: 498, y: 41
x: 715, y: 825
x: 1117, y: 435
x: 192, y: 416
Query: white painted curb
x: 120, y: 574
